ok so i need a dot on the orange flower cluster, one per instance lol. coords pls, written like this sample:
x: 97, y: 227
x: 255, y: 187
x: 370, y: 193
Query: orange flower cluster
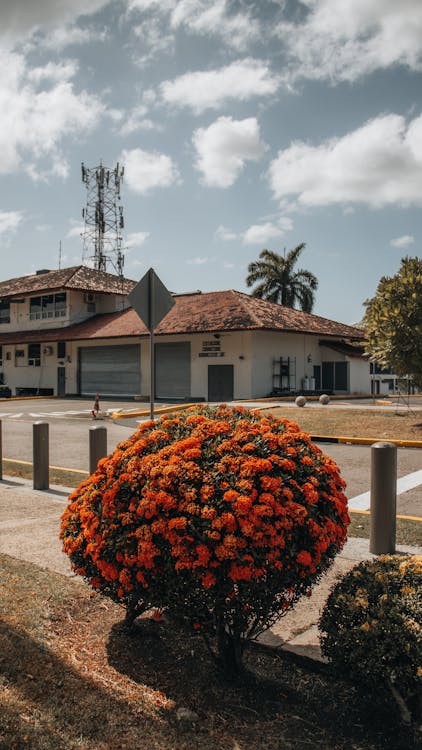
x: 214, y: 505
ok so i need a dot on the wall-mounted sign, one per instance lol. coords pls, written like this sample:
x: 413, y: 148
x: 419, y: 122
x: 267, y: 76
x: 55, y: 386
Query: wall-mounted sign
x: 211, y: 348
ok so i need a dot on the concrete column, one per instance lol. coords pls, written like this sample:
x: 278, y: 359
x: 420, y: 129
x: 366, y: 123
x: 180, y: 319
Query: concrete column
x: 383, y: 498
x: 97, y: 446
x: 1, y: 454
x: 40, y: 452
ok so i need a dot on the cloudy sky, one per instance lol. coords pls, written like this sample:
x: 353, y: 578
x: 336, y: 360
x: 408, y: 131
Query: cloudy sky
x: 241, y: 124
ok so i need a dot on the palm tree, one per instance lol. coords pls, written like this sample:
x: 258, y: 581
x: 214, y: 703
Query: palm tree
x: 280, y: 282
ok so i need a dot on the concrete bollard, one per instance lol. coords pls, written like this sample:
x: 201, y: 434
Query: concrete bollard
x: 382, y: 540
x: 97, y: 446
x: 40, y: 454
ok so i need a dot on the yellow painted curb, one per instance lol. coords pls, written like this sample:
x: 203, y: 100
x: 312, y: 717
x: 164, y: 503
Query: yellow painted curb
x: 57, y: 468
x: 27, y: 398
x: 367, y: 441
x: 368, y: 513
x: 146, y: 412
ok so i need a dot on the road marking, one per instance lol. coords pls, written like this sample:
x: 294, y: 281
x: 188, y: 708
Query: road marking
x: 57, y: 413
x: 16, y: 416
x: 408, y: 482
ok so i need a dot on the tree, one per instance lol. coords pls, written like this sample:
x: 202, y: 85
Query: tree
x: 393, y: 321
x: 279, y: 282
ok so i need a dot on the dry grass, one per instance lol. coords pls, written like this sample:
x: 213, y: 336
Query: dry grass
x: 72, y: 678
x: 332, y: 420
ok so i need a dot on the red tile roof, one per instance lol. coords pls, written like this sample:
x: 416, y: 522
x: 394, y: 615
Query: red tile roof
x: 78, y: 277
x: 198, y: 313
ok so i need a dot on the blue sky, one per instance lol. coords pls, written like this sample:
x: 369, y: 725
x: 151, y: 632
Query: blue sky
x: 242, y: 125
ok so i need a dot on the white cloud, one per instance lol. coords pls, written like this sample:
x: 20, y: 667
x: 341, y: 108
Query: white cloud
x: 35, y: 120
x: 136, y: 239
x: 76, y: 231
x: 9, y: 222
x: 259, y: 234
x: 200, y: 17
x: 202, y: 90
x: 61, y: 71
x: 378, y: 164
x: 225, y: 234
x: 137, y: 120
x: 205, y: 18
x: 345, y: 39
x: 224, y: 147
x: 147, y: 170
x: 154, y: 40
x: 403, y: 241
x: 20, y: 18
x: 64, y: 36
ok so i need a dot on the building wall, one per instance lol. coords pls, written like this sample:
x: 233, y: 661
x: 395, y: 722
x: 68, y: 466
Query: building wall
x: 251, y: 353
x: 267, y: 347
x: 360, y: 378
x: 77, y: 309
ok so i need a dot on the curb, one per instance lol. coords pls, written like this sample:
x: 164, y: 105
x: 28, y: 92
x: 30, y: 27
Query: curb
x: 366, y: 441
x: 146, y: 412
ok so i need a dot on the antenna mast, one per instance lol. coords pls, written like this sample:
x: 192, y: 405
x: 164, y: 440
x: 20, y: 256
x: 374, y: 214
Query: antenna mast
x: 103, y: 217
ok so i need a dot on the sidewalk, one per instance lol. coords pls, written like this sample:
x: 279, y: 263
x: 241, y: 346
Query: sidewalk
x: 29, y: 527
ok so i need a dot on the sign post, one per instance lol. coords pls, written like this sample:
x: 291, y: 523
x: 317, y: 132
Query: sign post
x: 151, y: 301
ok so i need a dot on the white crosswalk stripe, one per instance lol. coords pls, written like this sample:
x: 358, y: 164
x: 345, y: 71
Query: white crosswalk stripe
x: 408, y: 482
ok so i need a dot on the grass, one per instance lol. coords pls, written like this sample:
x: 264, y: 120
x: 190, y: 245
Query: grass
x: 72, y: 678
x: 407, y: 532
x: 353, y: 422
x: 332, y: 420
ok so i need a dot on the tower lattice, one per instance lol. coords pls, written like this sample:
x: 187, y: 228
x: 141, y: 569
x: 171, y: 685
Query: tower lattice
x: 103, y: 217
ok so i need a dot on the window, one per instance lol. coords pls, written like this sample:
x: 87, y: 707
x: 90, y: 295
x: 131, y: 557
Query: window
x: 4, y: 312
x: 34, y: 355
x: 47, y: 306
x: 61, y: 349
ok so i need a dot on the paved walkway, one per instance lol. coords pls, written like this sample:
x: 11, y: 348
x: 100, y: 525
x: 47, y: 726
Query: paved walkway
x: 29, y: 527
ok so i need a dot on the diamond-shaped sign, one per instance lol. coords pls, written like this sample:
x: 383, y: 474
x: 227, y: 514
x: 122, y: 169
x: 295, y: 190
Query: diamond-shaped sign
x: 151, y: 300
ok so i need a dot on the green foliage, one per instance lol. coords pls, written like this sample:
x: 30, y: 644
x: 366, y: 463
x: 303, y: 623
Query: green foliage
x: 279, y: 282
x: 393, y: 321
x: 372, y: 628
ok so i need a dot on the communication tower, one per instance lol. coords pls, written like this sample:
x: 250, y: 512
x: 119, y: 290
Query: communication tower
x: 103, y: 217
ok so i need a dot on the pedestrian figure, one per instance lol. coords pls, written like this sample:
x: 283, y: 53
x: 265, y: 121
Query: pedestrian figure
x: 96, y: 407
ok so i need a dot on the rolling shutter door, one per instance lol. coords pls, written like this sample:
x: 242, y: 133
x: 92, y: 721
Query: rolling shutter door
x: 172, y: 370
x: 110, y: 370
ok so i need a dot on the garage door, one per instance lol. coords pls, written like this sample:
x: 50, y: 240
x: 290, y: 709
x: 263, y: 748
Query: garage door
x: 109, y: 370
x: 172, y: 370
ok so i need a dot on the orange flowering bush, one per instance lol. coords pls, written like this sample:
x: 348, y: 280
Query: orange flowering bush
x: 223, y: 517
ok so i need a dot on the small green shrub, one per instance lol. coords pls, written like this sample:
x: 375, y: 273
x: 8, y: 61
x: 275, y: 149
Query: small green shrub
x: 371, y: 629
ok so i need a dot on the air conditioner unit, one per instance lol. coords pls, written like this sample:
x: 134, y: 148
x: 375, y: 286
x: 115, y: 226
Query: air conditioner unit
x: 47, y: 350
x: 89, y: 297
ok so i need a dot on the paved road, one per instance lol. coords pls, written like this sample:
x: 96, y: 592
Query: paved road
x: 70, y: 421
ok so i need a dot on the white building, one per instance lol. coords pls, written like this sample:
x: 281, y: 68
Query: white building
x: 71, y: 331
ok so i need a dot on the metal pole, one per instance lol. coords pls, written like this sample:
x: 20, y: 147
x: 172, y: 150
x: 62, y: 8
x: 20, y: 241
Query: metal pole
x: 151, y: 344
x: 97, y: 446
x: 383, y: 499
x: 40, y: 471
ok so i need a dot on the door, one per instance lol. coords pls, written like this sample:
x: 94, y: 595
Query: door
x: 61, y: 381
x: 317, y: 377
x: 172, y: 370
x: 109, y: 370
x: 220, y: 383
